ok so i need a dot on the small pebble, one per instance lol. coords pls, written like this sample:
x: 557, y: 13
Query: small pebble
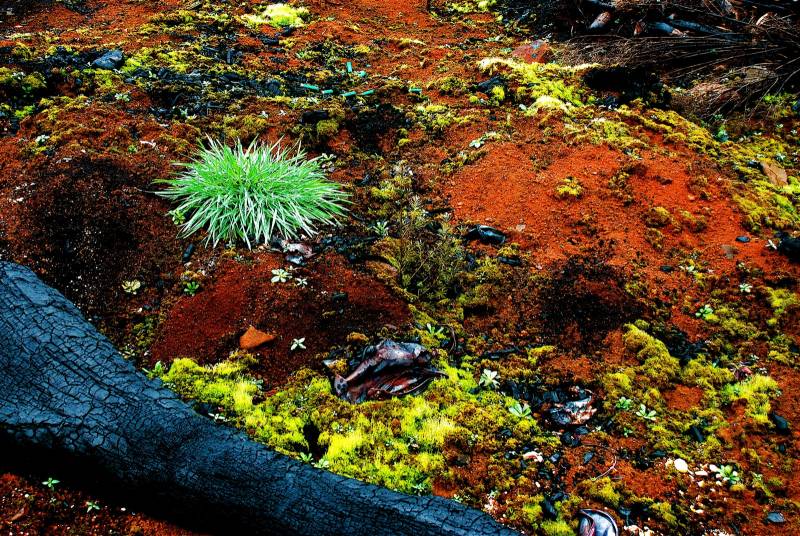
x: 743, y: 239
x: 681, y: 466
x: 776, y: 517
x: 781, y: 424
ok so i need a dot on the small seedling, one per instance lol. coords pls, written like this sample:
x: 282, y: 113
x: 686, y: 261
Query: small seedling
x: 435, y: 331
x: 132, y: 286
x: 381, y: 228
x: 156, y: 371
x: 280, y: 275
x: 322, y: 463
x: 624, y: 403
x: 745, y: 288
x: 729, y: 475
x: 301, y: 281
x: 521, y: 411
x: 704, y: 312
x: 488, y: 379
x: 178, y: 217
x: 91, y: 505
x: 191, y: 287
x: 218, y: 417
x: 51, y: 483
x: 420, y: 488
x: 644, y: 413
x: 298, y: 344
x: 306, y: 457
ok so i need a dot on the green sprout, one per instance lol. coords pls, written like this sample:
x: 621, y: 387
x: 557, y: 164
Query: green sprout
x: 488, y: 379
x: 306, y: 457
x: 729, y: 475
x: 132, y: 286
x: 745, y: 288
x: 51, y: 483
x: 91, y: 505
x: 421, y: 488
x: 381, y: 228
x: 705, y: 312
x: 253, y: 193
x: 298, y: 344
x: 279, y: 275
x: 644, y: 413
x: 191, y: 287
x: 178, y: 217
x: 434, y: 331
x: 157, y: 371
x: 520, y: 410
x: 624, y: 403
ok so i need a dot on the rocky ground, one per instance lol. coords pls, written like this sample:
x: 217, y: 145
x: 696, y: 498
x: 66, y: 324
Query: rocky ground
x: 621, y: 336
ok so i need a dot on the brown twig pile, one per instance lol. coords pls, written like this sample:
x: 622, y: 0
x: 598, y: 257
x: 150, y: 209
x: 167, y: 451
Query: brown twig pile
x: 728, y: 52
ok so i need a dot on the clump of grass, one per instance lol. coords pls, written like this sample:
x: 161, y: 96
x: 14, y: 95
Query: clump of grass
x: 253, y: 194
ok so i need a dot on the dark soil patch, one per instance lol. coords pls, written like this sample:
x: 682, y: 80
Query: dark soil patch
x: 584, y: 299
x: 91, y: 223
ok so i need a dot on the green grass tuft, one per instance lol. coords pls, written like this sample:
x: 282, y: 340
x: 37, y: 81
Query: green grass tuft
x: 254, y: 193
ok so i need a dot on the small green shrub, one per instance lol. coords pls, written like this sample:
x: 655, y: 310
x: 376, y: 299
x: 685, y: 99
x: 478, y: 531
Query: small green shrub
x: 253, y: 193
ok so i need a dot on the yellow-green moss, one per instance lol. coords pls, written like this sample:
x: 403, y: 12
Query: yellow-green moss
x: 396, y: 443
x: 540, y: 80
x: 658, y: 217
x: 756, y: 391
x: 569, y: 188
x: 279, y: 16
x: 658, y: 366
x: 471, y: 6
x: 603, y: 490
x: 782, y: 300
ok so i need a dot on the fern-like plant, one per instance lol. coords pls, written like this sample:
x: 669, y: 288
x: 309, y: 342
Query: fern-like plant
x: 254, y: 193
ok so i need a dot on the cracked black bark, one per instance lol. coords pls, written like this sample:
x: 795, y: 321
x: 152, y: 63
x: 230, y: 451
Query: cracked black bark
x: 65, y: 390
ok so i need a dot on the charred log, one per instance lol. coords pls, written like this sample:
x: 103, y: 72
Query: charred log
x: 66, y: 392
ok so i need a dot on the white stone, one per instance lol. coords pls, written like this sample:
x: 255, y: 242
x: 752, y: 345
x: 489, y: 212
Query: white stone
x: 681, y: 465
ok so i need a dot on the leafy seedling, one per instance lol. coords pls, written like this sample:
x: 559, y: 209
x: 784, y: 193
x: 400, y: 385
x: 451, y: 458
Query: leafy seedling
x: 644, y: 413
x: 488, y: 379
x: 191, y: 287
x: 521, y: 411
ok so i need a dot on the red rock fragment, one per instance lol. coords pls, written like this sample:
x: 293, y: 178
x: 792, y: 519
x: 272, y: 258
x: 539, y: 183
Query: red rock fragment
x: 534, y: 52
x: 253, y: 338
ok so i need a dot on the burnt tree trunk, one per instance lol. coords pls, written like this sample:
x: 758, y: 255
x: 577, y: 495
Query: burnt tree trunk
x: 66, y: 392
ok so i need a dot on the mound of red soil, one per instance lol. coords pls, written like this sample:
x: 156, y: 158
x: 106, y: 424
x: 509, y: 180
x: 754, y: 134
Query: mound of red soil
x: 335, y: 302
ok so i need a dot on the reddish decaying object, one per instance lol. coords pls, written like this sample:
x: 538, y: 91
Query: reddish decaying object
x: 388, y: 369
x: 574, y: 412
x: 596, y: 523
